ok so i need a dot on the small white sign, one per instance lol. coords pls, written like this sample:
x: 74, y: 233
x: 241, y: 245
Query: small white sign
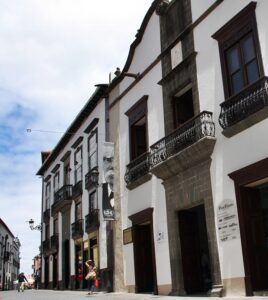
x: 160, y: 236
x: 176, y: 55
x: 227, y: 221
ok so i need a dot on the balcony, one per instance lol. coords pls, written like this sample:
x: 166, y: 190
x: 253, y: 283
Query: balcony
x: 92, y: 221
x: 77, y: 229
x: 92, y: 179
x: 46, y: 247
x: 188, y: 145
x: 138, y: 171
x: 54, y: 243
x: 77, y: 189
x: 46, y: 215
x: 245, y: 109
x: 62, y: 198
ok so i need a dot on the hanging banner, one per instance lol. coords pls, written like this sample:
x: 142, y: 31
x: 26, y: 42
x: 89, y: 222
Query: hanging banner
x: 108, y: 184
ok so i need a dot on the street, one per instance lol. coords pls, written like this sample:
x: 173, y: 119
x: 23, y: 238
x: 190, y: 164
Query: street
x: 75, y: 295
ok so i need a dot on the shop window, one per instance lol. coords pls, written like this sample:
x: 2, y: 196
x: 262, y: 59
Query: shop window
x: 183, y: 108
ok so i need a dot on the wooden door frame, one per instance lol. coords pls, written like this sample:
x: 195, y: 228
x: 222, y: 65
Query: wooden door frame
x: 242, y: 177
x: 143, y: 216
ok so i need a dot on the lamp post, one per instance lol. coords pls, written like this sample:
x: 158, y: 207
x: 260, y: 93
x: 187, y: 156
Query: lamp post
x: 32, y: 227
x: 4, y: 264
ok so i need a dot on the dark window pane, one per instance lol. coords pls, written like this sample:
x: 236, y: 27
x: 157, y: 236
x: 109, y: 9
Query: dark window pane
x: 248, y: 49
x: 184, y: 108
x: 237, y: 82
x: 252, y: 71
x: 233, y: 60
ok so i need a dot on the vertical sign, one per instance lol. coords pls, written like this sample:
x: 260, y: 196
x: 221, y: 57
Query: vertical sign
x: 227, y: 221
x: 108, y: 185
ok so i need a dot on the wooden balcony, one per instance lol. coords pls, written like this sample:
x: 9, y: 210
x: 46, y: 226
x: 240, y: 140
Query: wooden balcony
x: 62, y: 199
x: 92, y: 221
x: 77, y: 229
x: 188, y: 145
x: 245, y: 108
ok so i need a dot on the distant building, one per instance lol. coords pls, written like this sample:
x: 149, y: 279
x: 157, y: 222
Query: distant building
x: 9, y: 257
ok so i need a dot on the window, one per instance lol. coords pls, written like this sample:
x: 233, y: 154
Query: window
x: 183, y: 108
x: 48, y: 193
x: 47, y: 231
x: 78, y: 165
x: 67, y: 171
x: 241, y: 64
x: 56, y: 226
x: 93, y: 203
x: 137, y: 116
x: 78, y: 211
x: 56, y: 181
x: 240, y: 51
x: 93, y: 150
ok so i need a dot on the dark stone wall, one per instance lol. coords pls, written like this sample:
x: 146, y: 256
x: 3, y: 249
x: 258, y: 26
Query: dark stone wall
x: 190, y: 188
x: 173, y: 23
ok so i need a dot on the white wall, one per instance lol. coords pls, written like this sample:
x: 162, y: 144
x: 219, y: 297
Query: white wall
x: 245, y: 148
x: 150, y: 194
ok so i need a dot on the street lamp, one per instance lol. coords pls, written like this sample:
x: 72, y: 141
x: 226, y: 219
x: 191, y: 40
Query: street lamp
x: 32, y: 227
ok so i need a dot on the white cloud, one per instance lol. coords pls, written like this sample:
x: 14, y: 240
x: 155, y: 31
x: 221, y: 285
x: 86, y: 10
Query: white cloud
x: 52, y: 54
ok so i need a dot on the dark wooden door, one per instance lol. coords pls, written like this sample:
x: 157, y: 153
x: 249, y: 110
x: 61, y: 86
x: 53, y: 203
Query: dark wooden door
x: 66, y: 262
x: 46, y: 272
x: 55, y: 271
x: 143, y: 259
x: 255, y: 219
x: 190, y: 252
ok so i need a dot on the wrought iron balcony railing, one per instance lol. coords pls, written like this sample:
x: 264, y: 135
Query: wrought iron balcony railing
x: 92, y: 178
x: 64, y: 193
x: 189, y: 133
x: 54, y: 242
x: 92, y: 220
x: 247, y: 102
x: 46, y: 214
x: 77, y: 229
x: 137, y: 168
x: 77, y: 189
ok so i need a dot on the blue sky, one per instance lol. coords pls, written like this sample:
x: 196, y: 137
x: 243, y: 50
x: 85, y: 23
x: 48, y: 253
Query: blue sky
x: 52, y: 54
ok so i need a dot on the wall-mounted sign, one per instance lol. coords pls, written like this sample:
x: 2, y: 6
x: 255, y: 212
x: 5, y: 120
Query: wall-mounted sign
x: 108, y: 185
x: 127, y: 236
x: 227, y: 221
x: 160, y: 236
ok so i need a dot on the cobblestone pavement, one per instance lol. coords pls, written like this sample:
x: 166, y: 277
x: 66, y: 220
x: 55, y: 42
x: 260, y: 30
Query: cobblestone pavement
x: 77, y: 295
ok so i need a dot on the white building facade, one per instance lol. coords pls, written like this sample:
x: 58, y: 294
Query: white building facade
x: 9, y: 257
x: 136, y: 122
x: 74, y: 229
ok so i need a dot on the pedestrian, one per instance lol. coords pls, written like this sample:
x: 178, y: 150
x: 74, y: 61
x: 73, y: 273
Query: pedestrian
x: 21, y: 281
x: 91, y: 275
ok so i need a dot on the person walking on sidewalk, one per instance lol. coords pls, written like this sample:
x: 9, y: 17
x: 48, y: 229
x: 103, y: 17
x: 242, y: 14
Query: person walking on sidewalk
x: 21, y: 280
x: 91, y: 275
